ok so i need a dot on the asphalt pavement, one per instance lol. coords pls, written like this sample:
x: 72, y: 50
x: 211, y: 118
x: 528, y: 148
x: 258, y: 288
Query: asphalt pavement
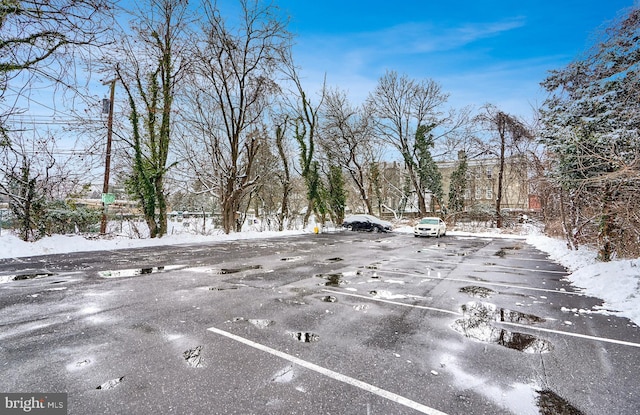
x: 334, y: 323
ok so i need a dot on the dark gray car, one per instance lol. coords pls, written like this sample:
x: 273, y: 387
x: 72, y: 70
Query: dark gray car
x: 367, y: 223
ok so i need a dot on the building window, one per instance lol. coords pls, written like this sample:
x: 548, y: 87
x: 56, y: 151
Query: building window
x: 478, y: 193
x: 489, y: 172
x: 489, y: 193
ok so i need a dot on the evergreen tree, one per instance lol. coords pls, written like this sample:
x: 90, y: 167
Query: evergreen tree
x: 458, y: 185
x: 590, y: 128
x: 375, y: 180
x: 28, y: 202
x: 429, y: 175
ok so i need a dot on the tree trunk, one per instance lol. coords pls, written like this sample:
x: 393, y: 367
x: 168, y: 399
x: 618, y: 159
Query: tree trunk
x: 502, y: 132
x: 563, y: 218
x: 366, y: 200
x: 606, y: 226
x: 228, y: 216
x: 162, y: 207
x: 153, y: 226
x: 305, y: 221
x: 284, y: 206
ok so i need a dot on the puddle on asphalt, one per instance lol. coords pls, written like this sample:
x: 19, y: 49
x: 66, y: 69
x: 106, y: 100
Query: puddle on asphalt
x: 388, y: 295
x: 283, y: 376
x: 476, y: 324
x: 261, y: 323
x: 375, y: 265
x: 552, y: 404
x: 475, y: 291
x: 133, y: 272
x: 503, y: 250
x: 335, y: 259
x: 293, y: 302
x: 145, y: 328
x: 224, y: 271
x: 23, y: 277
x: 258, y: 322
x: 111, y: 383
x: 475, y: 328
x: 438, y: 245
x: 491, y: 312
x: 305, y: 337
x: 193, y: 356
x: 291, y: 258
x: 333, y: 280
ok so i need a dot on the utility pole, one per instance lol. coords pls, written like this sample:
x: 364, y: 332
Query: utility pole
x: 107, y: 167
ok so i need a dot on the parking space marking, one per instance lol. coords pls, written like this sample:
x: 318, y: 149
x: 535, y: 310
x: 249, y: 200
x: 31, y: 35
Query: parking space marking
x: 494, y: 266
x: 422, y: 307
x: 581, y: 336
x: 563, y: 333
x: 331, y: 374
x: 497, y: 284
x: 543, y: 271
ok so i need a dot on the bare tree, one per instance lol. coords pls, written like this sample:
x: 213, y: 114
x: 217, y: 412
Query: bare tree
x: 506, y: 133
x: 32, y: 176
x: 284, y: 175
x: 401, y: 106
x: 347, y: 139
x: 231, y: 89
x: 44, y: 40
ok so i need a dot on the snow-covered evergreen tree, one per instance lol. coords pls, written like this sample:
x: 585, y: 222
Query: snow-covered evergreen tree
x: 590, y: 126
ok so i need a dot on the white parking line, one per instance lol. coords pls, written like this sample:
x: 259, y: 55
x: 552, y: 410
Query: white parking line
x: 495, y: 266
x: 422, y: 307
x: 497, y: 284
x: 542, y: 271
x: 562, y: 333
x: 331, y: 374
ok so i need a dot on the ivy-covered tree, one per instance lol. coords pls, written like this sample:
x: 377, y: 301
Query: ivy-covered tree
x: 336, y: 194
x: 305, y: 130
x: 149, y: 71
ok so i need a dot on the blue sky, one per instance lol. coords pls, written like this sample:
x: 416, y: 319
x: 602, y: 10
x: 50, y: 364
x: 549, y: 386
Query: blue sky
x: 479, y: 51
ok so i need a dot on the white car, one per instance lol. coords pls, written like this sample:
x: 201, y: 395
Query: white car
x: 430, y: 227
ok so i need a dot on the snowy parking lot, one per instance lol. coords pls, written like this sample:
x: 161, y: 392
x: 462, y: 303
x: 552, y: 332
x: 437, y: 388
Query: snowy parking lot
x: 342, y: 322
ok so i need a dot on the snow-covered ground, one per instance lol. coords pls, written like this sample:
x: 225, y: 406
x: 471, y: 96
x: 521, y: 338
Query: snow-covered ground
x: 616, y: 282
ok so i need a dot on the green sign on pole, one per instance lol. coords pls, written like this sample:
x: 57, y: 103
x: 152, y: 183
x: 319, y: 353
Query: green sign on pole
x: 108, y: 198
